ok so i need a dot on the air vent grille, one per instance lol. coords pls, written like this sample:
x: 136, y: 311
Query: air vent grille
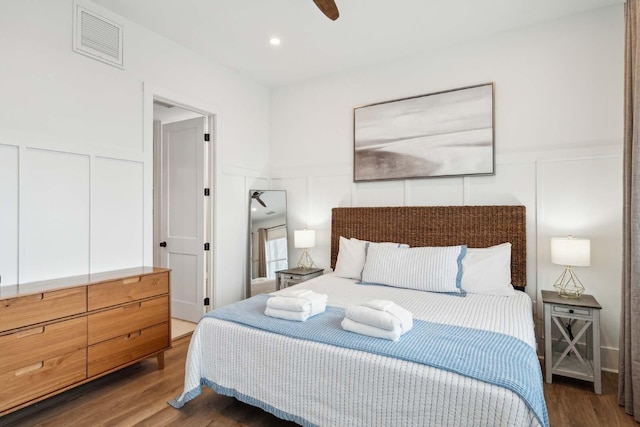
x: 97, y: 37
x: 100, y: 35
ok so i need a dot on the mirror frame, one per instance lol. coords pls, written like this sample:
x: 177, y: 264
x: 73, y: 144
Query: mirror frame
x: 249, y: 267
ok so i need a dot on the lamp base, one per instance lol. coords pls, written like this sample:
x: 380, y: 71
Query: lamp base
x: 568, y: 285
x: 305, y: 262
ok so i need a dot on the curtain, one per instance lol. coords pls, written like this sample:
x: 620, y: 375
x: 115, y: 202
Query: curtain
x: 629, y: 356
x: 262, y: 252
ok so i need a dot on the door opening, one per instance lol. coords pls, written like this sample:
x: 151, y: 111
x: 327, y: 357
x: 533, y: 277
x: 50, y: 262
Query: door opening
x: 181, y: 204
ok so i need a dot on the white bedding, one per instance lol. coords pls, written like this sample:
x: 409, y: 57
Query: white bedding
x: 319, y: 384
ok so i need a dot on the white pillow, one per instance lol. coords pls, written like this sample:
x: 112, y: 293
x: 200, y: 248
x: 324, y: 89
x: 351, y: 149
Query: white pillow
x: 433, y: 269
x: 352, y: 254
x: 488, y: 270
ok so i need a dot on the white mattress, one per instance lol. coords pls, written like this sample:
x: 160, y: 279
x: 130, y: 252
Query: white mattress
x: 319, y: 384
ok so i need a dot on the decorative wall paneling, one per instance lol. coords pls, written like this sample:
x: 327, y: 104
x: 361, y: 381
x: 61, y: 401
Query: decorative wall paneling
x: 566, y: 184
x: 117, y: 214
x: 55, y: 196
x: 9, y: 180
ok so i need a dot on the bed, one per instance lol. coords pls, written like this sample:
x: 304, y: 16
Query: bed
x: 313, y: 381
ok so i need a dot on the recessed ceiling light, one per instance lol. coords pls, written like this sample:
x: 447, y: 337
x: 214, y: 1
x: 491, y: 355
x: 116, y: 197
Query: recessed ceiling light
x: 274, y: 41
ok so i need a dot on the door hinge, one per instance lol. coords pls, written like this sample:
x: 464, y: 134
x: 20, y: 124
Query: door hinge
x: 206, y: 301
x: 207, y: 137
x: 206, y: 191
x: 206, y: 246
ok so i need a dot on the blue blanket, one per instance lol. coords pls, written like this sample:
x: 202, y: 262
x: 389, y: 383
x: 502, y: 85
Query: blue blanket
x: 486, y: 356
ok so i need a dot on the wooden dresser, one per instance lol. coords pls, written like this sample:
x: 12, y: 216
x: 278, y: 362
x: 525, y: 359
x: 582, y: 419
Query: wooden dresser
x: 58, y: 334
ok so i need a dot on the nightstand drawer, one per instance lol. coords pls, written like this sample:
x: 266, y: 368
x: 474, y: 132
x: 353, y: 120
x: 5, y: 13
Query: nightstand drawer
x: 293, y: 276
x: 561, y: 309
x: 289, y: 280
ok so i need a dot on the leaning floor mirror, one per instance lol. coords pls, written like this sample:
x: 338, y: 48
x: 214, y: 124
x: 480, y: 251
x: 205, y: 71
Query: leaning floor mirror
x: 267, y: 239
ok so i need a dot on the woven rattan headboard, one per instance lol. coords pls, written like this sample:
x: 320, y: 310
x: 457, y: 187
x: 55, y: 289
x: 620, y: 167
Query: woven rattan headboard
x: 475, y: 226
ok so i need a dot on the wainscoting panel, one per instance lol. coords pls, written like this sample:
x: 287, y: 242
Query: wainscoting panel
x: 513, y: 184
x: 434, y: 192
x: 54, y: 214
x: 231, y: 239
x: 9, y: 157
x: 379, y: 193
x: 117, y: 214
x: 583, y: 197
x: 298, y: 209
x: 328, y: 192
x: 298, y: 201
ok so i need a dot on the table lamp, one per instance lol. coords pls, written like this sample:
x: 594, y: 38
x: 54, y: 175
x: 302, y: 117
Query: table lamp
x: 304, y: 239
x: 570, y: 252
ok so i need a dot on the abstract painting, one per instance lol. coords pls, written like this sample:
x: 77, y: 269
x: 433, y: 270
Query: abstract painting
x: 447, y: 133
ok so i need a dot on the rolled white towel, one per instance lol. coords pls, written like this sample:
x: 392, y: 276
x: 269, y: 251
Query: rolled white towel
x: 310, y: 302
x: 381, y: 314
x: 299, y: 316
x: 372, y: 331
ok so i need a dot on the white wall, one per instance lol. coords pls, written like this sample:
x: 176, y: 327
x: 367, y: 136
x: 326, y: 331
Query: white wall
x: 558, y: 98
x: 75, y: 171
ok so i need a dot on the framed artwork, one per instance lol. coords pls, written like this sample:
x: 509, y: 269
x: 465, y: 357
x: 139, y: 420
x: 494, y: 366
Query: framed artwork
x: 442, y: 134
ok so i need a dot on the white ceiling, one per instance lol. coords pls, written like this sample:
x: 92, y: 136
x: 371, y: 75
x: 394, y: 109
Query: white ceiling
x: 236, y: 33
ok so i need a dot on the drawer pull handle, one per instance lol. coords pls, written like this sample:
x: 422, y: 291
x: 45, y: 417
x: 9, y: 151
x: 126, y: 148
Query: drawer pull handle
x: 27, y: 299
x: 30, y: 332
x: 131, y: 280
x: 133, y: 335
x: 28, y: 369
x: 133, y: 306
x: 571, y: 311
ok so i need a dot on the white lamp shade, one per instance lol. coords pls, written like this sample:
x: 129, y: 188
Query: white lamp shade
x: 571, y: 251
x: 304, y: 239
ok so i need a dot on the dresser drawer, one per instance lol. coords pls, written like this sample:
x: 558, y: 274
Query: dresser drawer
x: 126, y: 348
x: 33, y: 380
x: 37, y: 308
x: 41, y: 343
x: 127, y: 290
x: 127, y: 318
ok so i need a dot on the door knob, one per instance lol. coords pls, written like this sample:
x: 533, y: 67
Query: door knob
x: 163, y: 244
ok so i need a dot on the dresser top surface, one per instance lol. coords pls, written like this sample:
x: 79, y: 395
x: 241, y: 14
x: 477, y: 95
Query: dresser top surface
x: 24, y: 289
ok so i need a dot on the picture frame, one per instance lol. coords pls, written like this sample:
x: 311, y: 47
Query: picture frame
x: 442, y: 134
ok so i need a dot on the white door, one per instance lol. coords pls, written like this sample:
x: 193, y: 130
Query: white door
x: 182, y: 215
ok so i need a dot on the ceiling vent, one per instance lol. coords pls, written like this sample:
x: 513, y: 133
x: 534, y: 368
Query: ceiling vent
x: 97, y: 37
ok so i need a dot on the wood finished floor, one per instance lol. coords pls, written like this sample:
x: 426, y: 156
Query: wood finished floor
x: 137, y: 396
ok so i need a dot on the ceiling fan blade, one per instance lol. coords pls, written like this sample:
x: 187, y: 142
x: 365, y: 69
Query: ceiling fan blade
x: 256, y: 195
x: 329, y: 8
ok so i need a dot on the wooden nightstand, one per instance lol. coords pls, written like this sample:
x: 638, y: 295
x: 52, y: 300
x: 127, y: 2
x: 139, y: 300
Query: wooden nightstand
x: 293, y: 276
x: 564, y: 357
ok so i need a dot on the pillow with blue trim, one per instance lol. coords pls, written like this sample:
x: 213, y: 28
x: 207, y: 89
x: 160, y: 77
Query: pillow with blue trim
x: 433, y: 269
x: 488, y: 270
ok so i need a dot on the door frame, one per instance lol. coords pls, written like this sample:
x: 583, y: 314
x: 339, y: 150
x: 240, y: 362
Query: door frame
x: 211, y: 113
